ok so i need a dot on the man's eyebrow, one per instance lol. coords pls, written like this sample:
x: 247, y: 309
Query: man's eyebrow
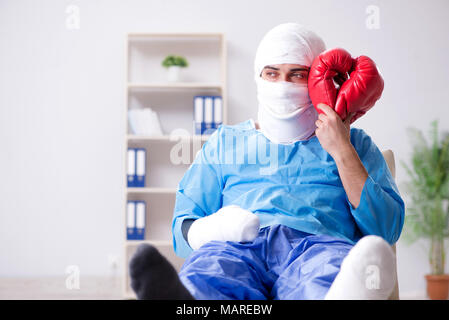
x: 294, y: 69
x: 299, y: 69
x: 269, y: 67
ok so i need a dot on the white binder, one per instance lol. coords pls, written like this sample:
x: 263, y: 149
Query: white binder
x: 140, y: 220
x: 218, y: 111
x: 198, y: 103
x: 140, y: 167
x: 208, y: 113
x: 130, y: 220
x: 131, y: 171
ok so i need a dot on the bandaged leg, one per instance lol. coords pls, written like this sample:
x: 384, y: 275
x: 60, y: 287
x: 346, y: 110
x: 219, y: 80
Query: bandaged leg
x: 281, y: 263
x: 153, y: 277
x: 308, y: 270
x: 367, y: 272
x: 226, y: 270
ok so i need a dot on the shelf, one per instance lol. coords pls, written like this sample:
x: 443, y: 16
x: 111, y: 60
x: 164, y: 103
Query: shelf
x: 205, y: 55
x: 175, y: 85
x: 152, y: 190
x: 153, y: 242
x: 170, y: 154
x: 174, y: 138
x: 175, y: 36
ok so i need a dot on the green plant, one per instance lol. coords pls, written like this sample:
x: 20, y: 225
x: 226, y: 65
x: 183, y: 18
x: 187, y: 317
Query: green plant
x: 428, y: 187
x: 172, y: 60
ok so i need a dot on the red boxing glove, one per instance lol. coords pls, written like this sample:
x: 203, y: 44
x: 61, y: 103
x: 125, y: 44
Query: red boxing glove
x: 357, y: 94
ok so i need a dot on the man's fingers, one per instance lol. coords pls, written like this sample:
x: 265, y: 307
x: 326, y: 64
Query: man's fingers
x: 348, y: 118
x: 322, y: 117
x: 326, y: 109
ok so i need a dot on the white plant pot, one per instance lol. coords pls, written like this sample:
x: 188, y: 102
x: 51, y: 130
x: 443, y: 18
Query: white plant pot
x: 174, y: 73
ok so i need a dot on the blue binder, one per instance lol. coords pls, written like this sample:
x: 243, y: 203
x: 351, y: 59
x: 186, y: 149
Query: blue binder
x: 131, y: 170
x: 131, y: 220
x: 218, y: 111
x: 140, y: 167
x: 198, y: 114
x: 208, y: 114
x: 140, y: 220
x: 135, y: 217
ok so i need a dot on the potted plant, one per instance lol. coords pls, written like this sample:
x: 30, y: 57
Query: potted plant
x: 428, y: 214
x: 174, y: 64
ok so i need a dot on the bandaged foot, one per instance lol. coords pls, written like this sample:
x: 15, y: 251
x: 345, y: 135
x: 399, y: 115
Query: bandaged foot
x: 230, y: 223
x: 153, y: 277
x: 367, y: 272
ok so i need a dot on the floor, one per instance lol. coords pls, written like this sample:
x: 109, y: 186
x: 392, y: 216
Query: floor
x: 90, y: 288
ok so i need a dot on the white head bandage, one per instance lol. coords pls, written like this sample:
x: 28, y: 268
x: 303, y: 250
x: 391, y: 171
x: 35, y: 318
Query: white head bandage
x: 288, y: 43
x: 286, y: 113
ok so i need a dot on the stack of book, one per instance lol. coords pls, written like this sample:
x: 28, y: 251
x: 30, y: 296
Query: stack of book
x: 144, y: 122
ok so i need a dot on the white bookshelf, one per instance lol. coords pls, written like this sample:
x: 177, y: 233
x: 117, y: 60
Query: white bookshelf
x: 166, y: 138
x: 152, y: 190
x: 170, y: 86
x: 146, y: 86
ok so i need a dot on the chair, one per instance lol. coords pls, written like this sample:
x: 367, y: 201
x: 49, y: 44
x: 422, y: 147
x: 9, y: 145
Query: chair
x: 389, y: 159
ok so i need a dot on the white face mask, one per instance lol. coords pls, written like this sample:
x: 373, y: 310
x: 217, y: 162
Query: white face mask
x: 286, y: 113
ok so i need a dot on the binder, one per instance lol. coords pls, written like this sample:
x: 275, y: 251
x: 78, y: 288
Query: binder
x: 135, y: 220
x: 131, y: 171
x: 140, y: 167
x: 208, y: 114
x: 218, y: 112
x: 130, y: 220
x: 140, y: 220
x: 198, y: 106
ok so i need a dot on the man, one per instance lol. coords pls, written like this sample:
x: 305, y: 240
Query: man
x: 278, y: 209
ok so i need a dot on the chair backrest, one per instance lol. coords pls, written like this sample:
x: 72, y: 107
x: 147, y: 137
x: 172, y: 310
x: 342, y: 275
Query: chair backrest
x: 389, y: 159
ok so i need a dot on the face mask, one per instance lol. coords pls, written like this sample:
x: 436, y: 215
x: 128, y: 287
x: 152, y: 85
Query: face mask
x: 286, y: 113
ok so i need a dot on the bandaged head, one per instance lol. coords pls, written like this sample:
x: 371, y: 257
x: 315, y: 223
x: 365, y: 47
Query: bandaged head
x: 286, y: 113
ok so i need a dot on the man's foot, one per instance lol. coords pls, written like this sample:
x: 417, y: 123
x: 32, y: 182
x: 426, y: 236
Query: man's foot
x: 153, y: 277
x: 367, y: 273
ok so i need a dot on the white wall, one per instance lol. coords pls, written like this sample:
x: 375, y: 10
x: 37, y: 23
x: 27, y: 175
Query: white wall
x: 62, y: 100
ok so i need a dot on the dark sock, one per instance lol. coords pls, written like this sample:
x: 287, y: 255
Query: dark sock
x: 153, y: 277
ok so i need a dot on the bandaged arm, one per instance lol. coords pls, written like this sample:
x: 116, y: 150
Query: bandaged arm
x: 198, y: 214
x: 230, y: 223
x: 381, y: 209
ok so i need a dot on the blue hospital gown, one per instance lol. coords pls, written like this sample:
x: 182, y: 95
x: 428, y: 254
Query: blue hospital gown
x: 295, y: 185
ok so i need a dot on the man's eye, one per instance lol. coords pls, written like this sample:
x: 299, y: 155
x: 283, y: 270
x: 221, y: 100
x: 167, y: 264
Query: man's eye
x: 271, y: 74
x: 300, y: 75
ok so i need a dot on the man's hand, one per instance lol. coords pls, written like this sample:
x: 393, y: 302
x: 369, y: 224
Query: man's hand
x: 230, y: 223
x: 335, y: 137
x: 333, y: 133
